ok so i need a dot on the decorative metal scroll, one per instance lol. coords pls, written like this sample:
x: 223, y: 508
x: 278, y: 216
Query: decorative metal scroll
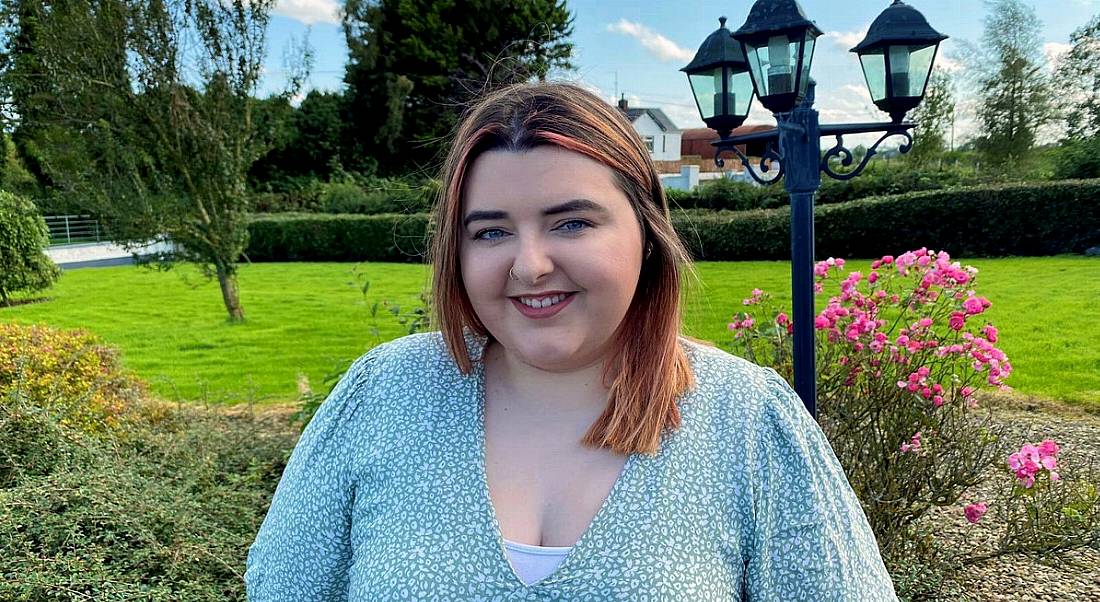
x: 846, y: 157
x: 770, y: 154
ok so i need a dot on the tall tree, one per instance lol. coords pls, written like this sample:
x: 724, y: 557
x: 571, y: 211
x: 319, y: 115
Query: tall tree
x: 1014, y: 96
x: 1077, y: 80
x: 934, y: 115
x: 414, y: 64
x: 143, y: 111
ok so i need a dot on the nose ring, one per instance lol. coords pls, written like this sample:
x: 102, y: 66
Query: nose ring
x: 512, y: 274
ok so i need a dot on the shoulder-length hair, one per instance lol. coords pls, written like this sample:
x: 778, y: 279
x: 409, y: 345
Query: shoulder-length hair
x: 647, y: 370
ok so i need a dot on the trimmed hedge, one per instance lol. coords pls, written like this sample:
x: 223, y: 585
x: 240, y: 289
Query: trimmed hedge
x: 320, y: 237
x: 986, y: 221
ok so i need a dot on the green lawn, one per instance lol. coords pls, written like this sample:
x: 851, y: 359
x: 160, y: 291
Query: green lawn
x: 306, y: 317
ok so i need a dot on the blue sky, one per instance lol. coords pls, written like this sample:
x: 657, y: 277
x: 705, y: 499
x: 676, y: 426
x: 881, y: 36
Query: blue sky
x: 641, y: 45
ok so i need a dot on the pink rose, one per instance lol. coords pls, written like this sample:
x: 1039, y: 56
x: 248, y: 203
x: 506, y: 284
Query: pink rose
x: 974, y: 512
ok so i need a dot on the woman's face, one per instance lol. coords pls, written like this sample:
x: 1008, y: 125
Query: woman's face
x: 559, y: 222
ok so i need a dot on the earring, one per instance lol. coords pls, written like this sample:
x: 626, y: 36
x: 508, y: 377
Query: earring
x: 648, y: 249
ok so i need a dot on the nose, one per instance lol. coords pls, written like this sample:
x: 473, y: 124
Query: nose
x: 533, y: 261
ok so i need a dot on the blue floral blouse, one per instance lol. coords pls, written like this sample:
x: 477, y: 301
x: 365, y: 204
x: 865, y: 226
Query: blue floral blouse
x: 385, y: 498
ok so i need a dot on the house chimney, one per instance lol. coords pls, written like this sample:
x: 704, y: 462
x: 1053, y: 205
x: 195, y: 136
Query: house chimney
x: 622, y: 103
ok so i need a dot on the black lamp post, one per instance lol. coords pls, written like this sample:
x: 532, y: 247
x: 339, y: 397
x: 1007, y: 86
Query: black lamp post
x: 777, y: 44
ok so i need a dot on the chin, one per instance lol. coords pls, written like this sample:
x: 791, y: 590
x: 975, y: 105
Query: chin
x: 549, y: 352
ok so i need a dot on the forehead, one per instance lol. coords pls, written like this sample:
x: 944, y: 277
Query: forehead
x: 545, y: 174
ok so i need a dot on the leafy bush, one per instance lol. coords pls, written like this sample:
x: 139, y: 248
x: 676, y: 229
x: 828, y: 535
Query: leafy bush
x: 68, y: 374
x: 23, y: 238
x: 902, y: 355
x: 164, y: 513
x: 1078, y: 159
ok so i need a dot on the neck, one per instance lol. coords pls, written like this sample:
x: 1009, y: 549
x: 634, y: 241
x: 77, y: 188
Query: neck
x: 579, y: 389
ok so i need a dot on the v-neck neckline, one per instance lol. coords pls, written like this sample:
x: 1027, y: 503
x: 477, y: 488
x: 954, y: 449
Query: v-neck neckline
x: 591, y: 532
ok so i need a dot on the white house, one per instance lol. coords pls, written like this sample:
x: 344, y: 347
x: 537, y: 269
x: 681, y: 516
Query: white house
x: 660, y: 135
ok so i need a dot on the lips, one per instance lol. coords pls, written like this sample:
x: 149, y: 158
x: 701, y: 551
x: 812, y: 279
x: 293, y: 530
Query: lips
x: 542, y: 312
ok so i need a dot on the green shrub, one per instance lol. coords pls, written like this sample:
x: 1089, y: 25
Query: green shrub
x: 69, y: 374
x: 313, y: 237
x: 23, y: 238
x: 983, y: 221
x: 165, y: 513
x: 1078, y: 159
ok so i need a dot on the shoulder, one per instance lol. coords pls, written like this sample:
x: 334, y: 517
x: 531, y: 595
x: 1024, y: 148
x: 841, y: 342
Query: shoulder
x: 751, y: 397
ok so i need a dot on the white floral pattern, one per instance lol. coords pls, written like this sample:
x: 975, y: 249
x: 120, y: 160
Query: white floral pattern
x: 385, y: 498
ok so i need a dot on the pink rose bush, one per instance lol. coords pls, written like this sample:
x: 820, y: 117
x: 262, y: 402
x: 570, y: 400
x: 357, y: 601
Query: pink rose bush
x: 903, y: 351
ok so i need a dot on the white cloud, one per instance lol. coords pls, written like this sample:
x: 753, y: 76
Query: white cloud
x: 309, y: 11
x: 1054, y: 51
x: 657, y: 44
x: 846, y: 39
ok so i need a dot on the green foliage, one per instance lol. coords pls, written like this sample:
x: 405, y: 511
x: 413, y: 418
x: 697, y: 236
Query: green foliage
x: 305, y: 237
x: 307, y: 141
x: 1078, y: 159
x: 415, y: 64
x: 23, y: 239
x: 69, y: 374
x: 165, y: 515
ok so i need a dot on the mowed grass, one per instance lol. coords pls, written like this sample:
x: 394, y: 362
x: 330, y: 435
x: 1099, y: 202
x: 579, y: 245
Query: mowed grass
x: 305, y: 318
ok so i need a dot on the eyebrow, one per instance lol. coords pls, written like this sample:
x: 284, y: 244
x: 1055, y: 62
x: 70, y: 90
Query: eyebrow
x: 566, y: 207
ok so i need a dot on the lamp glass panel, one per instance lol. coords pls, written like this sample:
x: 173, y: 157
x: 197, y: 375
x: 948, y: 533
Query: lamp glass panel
x: 740, y: 87
x: 920, y: 64
x: 807, y: 59
x: 773, y: 63
x: 703, y: 86
x: 874, y: 69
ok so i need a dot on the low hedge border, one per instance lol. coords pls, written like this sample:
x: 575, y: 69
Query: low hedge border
x: 986, y: 221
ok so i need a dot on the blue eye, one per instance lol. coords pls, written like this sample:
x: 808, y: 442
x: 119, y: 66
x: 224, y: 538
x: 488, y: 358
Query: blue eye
x: 479, y: 235
x: 582, y: 222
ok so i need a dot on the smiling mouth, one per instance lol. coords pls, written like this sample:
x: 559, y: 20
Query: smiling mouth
x: 543, y: 302
x: 553, y: 305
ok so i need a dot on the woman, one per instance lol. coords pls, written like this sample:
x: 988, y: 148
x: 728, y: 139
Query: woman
x: 559, y: 439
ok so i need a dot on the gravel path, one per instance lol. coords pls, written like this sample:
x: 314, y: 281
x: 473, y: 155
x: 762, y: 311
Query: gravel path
x: 1070, y: 576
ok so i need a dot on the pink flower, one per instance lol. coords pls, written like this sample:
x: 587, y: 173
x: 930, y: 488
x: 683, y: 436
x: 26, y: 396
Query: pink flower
x: 975, y: 305
x: 974, y: 512
x: 990, y: 333
x: 782, y: 319
x: 747, y: 323
x: 913, y: 445
x: 957, y: 321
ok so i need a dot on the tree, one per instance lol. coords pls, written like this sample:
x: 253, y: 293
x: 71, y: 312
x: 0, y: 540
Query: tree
x: 934, y: 115
x: 143, y: 111
x: 307, y: 140
x: 414, y: 64
x: 23, y: 237
x: 1013, y: 89
x: 1077, y: 80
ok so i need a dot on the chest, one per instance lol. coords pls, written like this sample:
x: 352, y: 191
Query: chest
x: 545, y: 487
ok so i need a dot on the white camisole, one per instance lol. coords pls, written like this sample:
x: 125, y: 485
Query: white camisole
x: 534, y: 563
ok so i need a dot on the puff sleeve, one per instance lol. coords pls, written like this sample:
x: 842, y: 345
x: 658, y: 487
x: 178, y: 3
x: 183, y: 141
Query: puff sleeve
x: 303, y: 548
x: 811, y: 539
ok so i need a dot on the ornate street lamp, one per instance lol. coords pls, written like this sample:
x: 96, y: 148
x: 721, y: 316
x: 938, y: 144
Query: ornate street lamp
x: 720, y: 81
x: 897, y: 57
x: 777, y: 41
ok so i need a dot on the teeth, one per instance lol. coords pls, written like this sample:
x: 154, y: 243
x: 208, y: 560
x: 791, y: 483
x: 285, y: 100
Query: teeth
x: 546, y: 302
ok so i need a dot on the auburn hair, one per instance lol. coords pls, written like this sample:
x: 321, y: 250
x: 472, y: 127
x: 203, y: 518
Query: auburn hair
x: 647, y: 370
